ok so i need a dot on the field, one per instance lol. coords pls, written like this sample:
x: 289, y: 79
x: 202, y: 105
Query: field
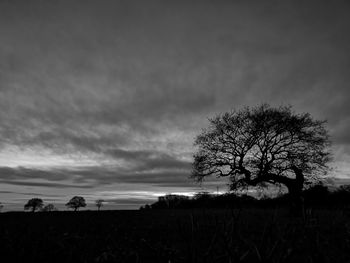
x: 202, y: 235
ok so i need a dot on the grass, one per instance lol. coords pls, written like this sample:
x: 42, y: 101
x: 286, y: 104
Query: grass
x: 202, y: 235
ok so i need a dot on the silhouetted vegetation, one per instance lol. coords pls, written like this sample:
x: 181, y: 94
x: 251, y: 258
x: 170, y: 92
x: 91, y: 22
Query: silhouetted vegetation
x: 175, y: 235
x: 201, y: 200
x: 315, y: 196
x: 76, y: 202
x: 258, y: 146
x: 34, y: 204
x: 49, y: 208
x: 99, y: 203
x: 202, y: 228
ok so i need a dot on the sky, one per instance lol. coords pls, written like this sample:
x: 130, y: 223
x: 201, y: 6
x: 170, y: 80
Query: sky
x: 103, y: 99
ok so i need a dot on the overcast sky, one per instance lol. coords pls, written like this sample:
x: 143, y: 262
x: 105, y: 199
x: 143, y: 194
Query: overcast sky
x: 104, y: 98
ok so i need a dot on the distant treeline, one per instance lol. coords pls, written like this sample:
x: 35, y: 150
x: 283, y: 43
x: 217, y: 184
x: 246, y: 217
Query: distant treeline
x: 318, y: 195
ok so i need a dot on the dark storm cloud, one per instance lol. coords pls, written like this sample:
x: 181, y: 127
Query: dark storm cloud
x: 99, y: 75
x: 85, y: 177
x: 98, y: 176
x: 8, y: 192
x: 20, y: 173
x: 142, y: 166
x: 28, y: 193
x: 99, y: 66
x: 44, y: 184
x: 105, y: 176
x: 148, y: 160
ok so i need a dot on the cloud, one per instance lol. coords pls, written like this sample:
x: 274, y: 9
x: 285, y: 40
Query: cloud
x: 90, y: 74
x: 157, y: 172
x: 117, y: 91
x: 8, y: 173
x: 149, y: 160
x: 44, y: 184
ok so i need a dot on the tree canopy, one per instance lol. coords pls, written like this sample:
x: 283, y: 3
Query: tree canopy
x: 99, y: 203
x: 49, y: 208
x: 263, y: 145
x: 33, y: 204
x: 76, y: 202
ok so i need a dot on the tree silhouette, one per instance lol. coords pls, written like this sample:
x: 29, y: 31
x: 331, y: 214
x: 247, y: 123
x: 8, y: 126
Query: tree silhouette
x: 76, y: 202
x: 263, y: 145
x: 49, y: 208
x: 34, y: 204
x: 1, y: 207
x: 99, y: 203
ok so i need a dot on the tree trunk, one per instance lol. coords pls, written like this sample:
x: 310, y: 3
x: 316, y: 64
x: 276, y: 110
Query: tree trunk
x: 295, y: 189
x: 296, y: 200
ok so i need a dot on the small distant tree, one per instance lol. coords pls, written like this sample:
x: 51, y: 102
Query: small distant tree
x: 34, y: 204
x: 49, y: 208
x: 99, y: 203
x: 76, y: 202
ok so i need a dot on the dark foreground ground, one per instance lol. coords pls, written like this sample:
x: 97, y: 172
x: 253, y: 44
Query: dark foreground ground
x: 248, y: 235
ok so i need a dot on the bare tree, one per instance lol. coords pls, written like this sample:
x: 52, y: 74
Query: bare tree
x: 99, y: 203
x: 76, y: 202
x: 34, y: 204
x: 263, y: 145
